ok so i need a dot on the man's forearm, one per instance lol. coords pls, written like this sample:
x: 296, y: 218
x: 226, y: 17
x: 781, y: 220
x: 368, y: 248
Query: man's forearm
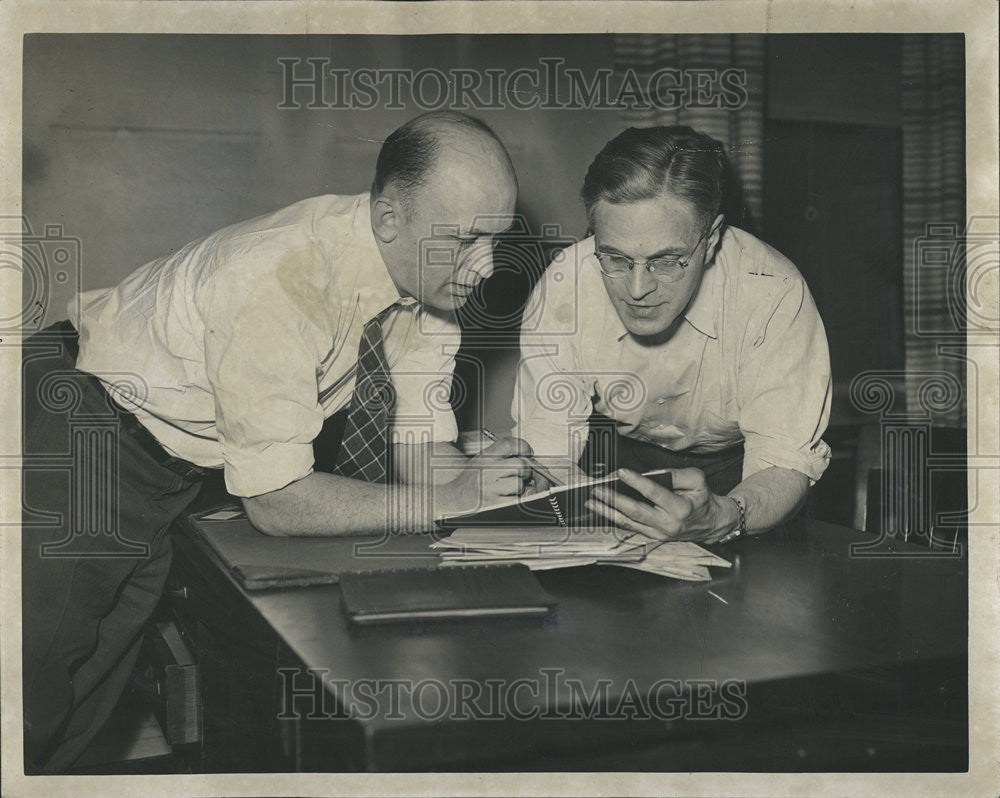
x: 771, y: 496
x: 438, y: 480
x: 425, y: 464
x: 326, y: 504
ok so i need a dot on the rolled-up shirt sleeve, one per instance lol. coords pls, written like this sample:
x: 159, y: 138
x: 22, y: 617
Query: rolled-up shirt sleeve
x: 784, y: 387
x: 261, y: 358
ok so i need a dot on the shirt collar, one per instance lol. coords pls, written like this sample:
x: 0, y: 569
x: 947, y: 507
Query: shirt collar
x: 700, y: 312
x: 379, y: 283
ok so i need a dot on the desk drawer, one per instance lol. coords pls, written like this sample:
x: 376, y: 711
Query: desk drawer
x: 199, y: 590
x: 238, y: 656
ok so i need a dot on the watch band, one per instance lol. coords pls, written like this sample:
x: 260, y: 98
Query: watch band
x: 741, y: 527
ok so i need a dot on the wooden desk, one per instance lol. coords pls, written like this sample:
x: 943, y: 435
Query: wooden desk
x: 813, y: 660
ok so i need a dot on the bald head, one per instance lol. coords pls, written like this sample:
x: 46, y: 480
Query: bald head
x: 444, y: 189
x: 411, y: 155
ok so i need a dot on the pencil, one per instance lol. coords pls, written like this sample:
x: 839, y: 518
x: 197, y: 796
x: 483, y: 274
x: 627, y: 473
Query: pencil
x: 535, y: 466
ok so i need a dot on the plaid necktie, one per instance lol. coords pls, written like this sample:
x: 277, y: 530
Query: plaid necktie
x: 364, y: 445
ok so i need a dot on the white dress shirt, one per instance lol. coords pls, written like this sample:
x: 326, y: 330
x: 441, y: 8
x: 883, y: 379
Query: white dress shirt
x: 245, y: 341
x: 748, y: 363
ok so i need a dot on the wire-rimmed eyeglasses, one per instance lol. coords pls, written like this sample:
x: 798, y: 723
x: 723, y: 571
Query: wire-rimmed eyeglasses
x: 666, y: 268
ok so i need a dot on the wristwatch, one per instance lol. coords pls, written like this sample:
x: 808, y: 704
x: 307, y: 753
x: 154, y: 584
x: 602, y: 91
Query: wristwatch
x: 741, y: 527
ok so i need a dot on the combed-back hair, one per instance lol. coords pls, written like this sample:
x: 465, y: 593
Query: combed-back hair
x: 409, y: 154
x: 645, y: 162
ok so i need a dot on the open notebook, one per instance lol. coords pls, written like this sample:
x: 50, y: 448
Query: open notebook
x: 560, y: 506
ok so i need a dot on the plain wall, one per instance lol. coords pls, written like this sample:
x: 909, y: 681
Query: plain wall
x: 138, y: 144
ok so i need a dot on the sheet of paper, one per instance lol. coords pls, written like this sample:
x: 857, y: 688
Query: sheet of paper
x: 547, y: 548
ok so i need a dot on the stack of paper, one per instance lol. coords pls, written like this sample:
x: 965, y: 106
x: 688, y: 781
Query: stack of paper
x: 563, y: 547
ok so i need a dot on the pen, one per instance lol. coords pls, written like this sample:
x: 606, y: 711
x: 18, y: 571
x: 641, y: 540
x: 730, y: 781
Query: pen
x: 535, y: 466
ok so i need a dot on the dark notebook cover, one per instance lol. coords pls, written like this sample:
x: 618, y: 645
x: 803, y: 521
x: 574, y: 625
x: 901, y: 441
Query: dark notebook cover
x: 561, y: 506
x: 447, y: 592
x: 262, y: 562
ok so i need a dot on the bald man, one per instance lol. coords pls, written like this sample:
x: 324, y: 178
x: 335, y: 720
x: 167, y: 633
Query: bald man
x: 233, y: 353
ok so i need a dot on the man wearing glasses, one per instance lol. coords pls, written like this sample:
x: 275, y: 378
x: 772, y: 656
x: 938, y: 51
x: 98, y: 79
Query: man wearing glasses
x: 694, y: 346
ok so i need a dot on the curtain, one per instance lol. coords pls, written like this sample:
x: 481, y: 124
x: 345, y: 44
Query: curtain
x: 715, y: 84
x: 933, y: 109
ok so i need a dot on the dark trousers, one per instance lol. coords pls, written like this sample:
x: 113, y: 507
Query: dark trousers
x: 98, y: 498
x: 607, y: 450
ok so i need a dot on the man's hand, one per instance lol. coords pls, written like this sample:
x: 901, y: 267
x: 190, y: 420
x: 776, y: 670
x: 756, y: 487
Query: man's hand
x: 688, y: 512
x: 498, y: 473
